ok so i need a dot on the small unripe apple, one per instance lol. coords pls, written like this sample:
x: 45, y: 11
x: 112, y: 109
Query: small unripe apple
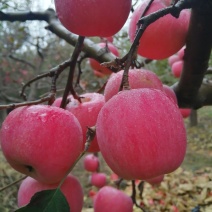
x: 96, y: 65
x: 172, y: 59
x: 177, y: 68
x: 98, y: 179
x: 110, y: 199
x: 91, y: 163
x: 71, y: 189
x: 41, y: 141
x: 93, y: 18
x: 141, y: 134
x: 138, y: 78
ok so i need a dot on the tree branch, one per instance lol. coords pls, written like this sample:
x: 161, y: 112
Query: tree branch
x: 197, y: 54
x: 91, y: 49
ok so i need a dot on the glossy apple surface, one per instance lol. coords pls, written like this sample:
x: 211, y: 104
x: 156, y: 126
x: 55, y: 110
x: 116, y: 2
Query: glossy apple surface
x: 71, y: 189
x: 138, y: 78
x: 93, y: 18
x: 41, y: 141
x: 110, y: 199
x: 141, y: 134
x: 165, y: 36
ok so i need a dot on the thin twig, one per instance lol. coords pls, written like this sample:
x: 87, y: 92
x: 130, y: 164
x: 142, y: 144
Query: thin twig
x: 69, y: 85
x: 13, y: 183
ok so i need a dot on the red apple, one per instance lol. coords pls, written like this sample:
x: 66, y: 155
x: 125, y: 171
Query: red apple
x: 186, y: 112
x: 156, y: 180
x: 177, y: 68
x: 172, y: 59
x: 96, y: 65
x: 170, y: 93
x: 93, y: 18
x: 165, y: 36
x: 91, y: 163
x: 71, y: 189
x: 110, y: 199
x: 86, y: 113
x: 41, y: 141
x: 141, y: 134
x: 181, y: 53
x: 138, y: 78
x: 98, y: 179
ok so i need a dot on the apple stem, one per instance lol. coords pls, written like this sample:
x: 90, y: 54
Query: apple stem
x: 12, y: 184
x: 133, y: 196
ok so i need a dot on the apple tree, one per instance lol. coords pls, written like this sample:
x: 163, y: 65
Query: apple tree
x: 131, y: 119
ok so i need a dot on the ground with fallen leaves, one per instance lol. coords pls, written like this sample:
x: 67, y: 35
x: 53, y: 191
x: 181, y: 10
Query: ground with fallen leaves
x: 187, y: 189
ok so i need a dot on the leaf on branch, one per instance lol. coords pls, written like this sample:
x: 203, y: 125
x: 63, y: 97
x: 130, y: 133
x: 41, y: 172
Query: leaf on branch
x: 48, y: 201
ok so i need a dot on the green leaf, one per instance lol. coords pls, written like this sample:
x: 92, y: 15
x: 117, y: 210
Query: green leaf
x: 47, y: 201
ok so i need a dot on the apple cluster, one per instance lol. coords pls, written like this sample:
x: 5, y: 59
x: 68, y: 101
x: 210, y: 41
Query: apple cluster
x: 140, y: 132
x: 176, y: 63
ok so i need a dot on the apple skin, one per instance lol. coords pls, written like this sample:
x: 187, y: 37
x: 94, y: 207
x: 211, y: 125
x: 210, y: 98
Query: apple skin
x: 39, y: 141
x: 162, y: 38
x: 138, y: 78
x: 186, y: 112
x: 86, y: 113
x: 177, y: 68
x: 141, y: 134
x: 98, y: 179
x: 156, y: 180
x: 93, y: 18
x: 71, y: 189
x: 96, y: 65
x: 91, y: 163
x: 111, y: 199
x: 170, y: 93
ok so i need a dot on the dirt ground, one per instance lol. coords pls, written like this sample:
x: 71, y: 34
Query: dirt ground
x: 187, y: 189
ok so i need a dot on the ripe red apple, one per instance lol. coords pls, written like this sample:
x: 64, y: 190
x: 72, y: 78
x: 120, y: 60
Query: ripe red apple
x: 165, y: 36
x: 170, y: 93
x: 177, y: 68
x: 156, y: 180
x: 98, y: 179
x: 41, y: 141
x: 138, y: 78
x: 71, y: 189
x: 141, y: 134
x: 96, y: 65
x: 91, y: 163
x: 186, y: 112
x: 110, y: 199
x: 86, y: 113
x: 93, y: 18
